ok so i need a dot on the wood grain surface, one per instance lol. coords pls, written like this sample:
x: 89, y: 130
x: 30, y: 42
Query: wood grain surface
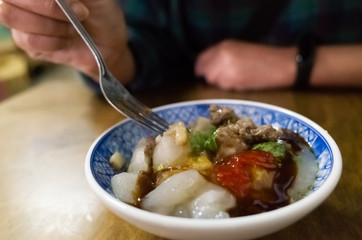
x: 45, y: 133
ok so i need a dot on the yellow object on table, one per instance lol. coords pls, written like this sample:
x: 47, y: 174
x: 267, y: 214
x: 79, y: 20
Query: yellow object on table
x: 14, y: 66
x: 14, y: 74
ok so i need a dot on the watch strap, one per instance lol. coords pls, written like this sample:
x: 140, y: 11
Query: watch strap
x: 305, y: 60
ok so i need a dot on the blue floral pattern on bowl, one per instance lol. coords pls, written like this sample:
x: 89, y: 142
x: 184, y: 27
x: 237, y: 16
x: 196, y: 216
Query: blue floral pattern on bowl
x: 124, y: 136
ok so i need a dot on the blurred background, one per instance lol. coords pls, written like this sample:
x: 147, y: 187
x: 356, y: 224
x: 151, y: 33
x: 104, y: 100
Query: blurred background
x: 17, y: 71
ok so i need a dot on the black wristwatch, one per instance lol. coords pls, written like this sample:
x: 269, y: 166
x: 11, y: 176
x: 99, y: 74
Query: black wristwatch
x: 305, y: 61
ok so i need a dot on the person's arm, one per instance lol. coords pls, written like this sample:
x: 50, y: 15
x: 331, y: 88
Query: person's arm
x: 338, y: 66
x: 245, y: 66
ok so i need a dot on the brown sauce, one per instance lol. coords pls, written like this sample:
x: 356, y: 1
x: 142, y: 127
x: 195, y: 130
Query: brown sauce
x: 269, y: 199
x: 257, y: 201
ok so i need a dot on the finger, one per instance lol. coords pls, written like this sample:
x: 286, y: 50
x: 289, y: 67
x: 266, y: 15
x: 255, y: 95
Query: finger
x: 49, y: 8
x: 210, y: 71
x: 218, y: 80
x: 204, y: 59
x: 216, y: 73
x: 37, y: 43
x: 25, y: 21
x: 212, y: 75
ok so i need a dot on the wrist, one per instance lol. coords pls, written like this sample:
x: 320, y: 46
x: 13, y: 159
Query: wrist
x: 288, y: 67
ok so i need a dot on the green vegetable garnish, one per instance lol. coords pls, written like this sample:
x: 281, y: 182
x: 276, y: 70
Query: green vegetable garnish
x: 159, y: 167
x: 203, y: 141
x: 275, y: 148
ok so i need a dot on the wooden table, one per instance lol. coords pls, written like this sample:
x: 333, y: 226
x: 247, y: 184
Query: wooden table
x: 45, y: 133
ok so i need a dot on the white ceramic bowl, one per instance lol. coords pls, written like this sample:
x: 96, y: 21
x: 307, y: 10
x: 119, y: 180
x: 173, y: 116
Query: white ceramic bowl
x: 123, y: 137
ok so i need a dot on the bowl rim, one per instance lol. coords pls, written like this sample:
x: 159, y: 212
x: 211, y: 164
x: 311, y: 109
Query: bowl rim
x: 312, y: 200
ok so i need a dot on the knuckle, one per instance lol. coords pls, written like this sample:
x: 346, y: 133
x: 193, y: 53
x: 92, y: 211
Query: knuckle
x: 39, y: 55
x: 34, y: 54
x: 234, y: 73
x: 17, y: 38
x: 226, y: 57
x: 225, y: 54
x: 210, y: 78
x: 32, y: 40
x: 226, y: 43
x: 49, y: 6
x: 24, y: 40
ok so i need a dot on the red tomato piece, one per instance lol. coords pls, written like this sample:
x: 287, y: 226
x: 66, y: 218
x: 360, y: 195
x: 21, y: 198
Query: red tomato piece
x: 233, y: 172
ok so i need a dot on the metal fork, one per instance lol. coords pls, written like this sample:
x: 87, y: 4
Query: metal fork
x: 115, y: 93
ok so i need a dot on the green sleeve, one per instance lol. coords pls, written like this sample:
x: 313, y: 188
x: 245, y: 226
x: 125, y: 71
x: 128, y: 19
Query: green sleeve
x: 158, y: 52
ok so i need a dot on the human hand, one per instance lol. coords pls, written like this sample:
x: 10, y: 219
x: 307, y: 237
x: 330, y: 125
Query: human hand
x: 239, y: 65
x: 41, y: 29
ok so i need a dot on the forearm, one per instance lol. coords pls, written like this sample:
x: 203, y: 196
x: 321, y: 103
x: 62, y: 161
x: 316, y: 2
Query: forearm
x: 337, y: 66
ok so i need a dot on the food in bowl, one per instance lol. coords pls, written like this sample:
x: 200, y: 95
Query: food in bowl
x: 219, y: 167
x: 123, y: 138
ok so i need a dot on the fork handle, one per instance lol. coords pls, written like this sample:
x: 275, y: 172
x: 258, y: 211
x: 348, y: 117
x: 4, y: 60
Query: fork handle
x: 83, y: 34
